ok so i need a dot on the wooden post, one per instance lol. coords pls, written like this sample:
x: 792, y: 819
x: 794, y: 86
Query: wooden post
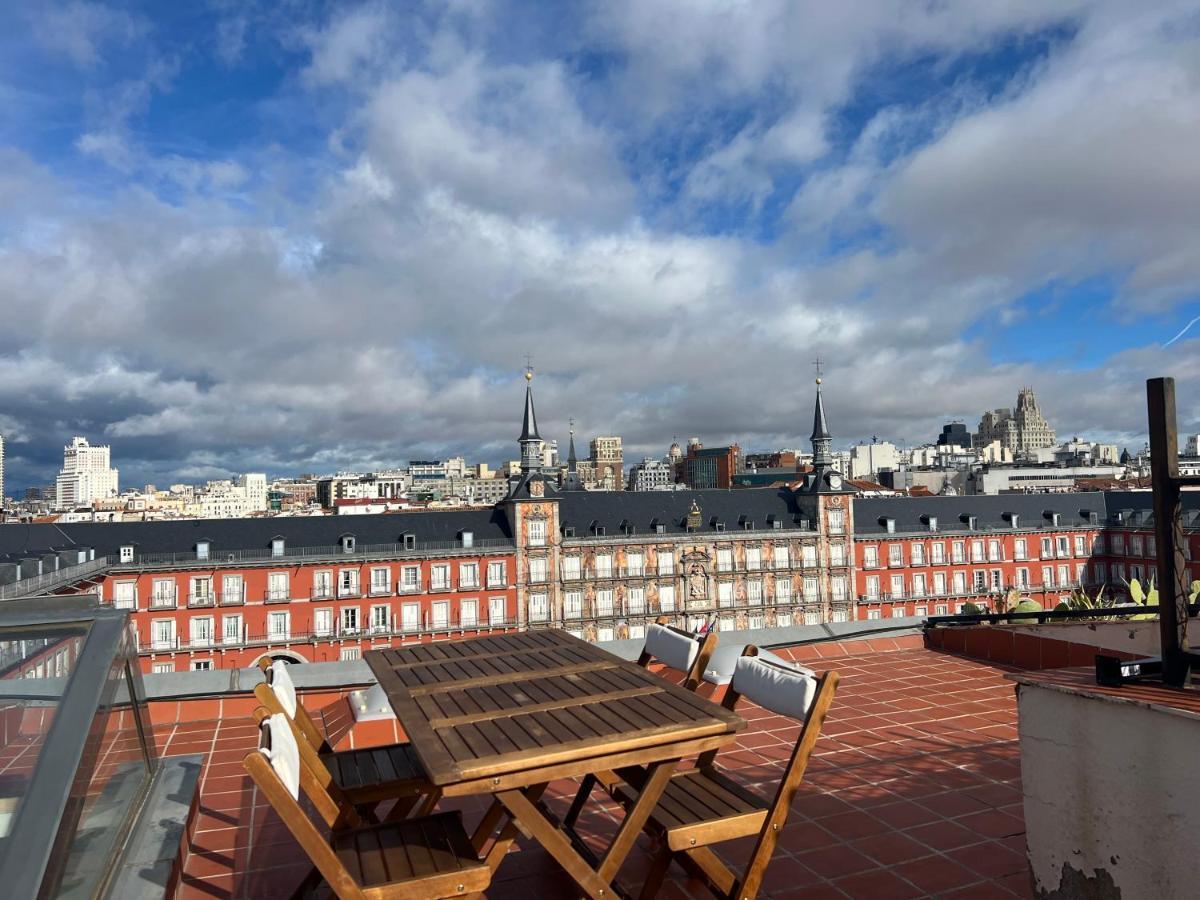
x: 1168, y: 530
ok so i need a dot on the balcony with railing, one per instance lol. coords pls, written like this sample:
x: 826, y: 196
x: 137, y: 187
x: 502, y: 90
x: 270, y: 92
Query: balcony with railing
x: 233, y: 598
x: 163, y: 600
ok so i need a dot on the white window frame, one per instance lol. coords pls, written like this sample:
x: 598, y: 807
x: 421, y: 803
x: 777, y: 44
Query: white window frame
x: 535, y: 533
x: 666, y: 598
x: 323, y: 621
x: 410, y: 579
x: 128, y: 602
x: 381, y: 581
x: 496, y: 574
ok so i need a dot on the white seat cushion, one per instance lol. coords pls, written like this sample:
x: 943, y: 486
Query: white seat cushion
x: 284, y: 687
x: 724, y: 659
x: 671, y: 648
x: 284, y: 752
x: 783, y: 688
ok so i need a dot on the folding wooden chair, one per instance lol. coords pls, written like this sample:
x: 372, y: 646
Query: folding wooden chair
x: 365, y: 777
x: 427, y: 857
x: 676, y: 649
x: 703, y: 806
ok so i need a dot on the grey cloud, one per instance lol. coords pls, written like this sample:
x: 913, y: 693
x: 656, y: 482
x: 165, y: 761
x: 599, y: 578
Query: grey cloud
x: 470, y: 210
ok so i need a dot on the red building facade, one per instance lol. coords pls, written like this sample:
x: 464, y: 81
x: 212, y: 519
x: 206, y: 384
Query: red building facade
x: 321, y: 610
x: 932, y: 556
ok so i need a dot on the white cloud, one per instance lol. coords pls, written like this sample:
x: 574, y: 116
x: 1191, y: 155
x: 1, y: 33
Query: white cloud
x: 352, y: 41
x: 479, y: 198
x: 82, y: 31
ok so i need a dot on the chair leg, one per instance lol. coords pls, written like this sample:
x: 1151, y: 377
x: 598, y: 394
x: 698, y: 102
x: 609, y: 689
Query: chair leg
x: 658, y: 871
x: 402, y: 808
x: 581, y: 797
x: 428, y: 802
x: 309, y: 884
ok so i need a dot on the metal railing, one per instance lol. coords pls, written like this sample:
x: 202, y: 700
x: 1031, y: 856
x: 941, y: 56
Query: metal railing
x: 47, y: 581
x: 224, y: 642
x: 332, y: 552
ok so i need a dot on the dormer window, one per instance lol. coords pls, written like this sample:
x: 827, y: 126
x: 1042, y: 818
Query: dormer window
x: 568, y: 531
x: 1014, y: 520
x: 467, y: 538
x: 628, y: 527
x: 971, y: 521
x: 408, y: 541
x: 930, y: 522
x: 202, y: 549
x: 347, y: 542
x: 889, y: 525
x: 657, y: 527
x: 126, y: 553
x: 277, y: 546
x: 1052, y: 517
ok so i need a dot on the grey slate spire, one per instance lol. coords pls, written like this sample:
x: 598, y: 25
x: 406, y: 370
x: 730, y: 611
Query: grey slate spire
x: 530, y: 441
x: 821, y: 439
x: 572, y: 481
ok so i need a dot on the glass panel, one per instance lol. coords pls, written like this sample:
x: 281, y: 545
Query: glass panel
x: 35, y: 668
x: 113, y: 774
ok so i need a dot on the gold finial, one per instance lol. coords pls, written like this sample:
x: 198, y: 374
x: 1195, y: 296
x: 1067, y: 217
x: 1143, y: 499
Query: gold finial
x: 818, y: 381
x: 528, y: 375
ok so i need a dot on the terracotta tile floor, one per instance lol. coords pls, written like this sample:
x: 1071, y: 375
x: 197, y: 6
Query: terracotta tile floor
x: 915, y: 791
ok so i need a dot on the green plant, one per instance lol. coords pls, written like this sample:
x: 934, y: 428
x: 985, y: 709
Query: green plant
x: 971, y: 609
x: 1143, y: 597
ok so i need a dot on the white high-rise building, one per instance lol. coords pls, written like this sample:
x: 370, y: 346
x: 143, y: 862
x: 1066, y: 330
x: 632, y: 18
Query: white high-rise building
x: 86, y: 476
x: 254, y: 484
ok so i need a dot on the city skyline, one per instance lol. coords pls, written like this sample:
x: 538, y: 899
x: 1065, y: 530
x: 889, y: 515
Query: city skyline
x: 288, y: 238
x: 630, y: 458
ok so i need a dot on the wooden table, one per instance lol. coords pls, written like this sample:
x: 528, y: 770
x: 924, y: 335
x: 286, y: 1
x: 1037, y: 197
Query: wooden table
x: 505, y: 715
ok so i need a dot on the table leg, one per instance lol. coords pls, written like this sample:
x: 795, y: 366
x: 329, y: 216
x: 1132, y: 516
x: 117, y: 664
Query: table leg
x: 507, y: 834
x: 657, y: 776
x: 596, y: 882
x: 555, y: 842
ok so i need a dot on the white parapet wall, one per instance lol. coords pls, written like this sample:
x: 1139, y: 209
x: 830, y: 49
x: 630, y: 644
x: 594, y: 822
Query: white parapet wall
x: 1112, y: 788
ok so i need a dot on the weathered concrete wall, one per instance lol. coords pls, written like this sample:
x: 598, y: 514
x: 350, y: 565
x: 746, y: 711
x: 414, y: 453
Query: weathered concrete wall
x: 1140, y: 638
x: 1111, y: 797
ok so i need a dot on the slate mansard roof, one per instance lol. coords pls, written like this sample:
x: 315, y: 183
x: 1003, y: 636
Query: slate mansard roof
x: 738, y: 510
x: 227, y: 535
x: 994, y: 512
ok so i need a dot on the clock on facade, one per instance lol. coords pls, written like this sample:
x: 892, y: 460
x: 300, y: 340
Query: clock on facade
x: 834, y: 480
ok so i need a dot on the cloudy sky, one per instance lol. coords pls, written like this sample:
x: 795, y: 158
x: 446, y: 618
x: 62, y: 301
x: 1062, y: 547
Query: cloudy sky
x: 303, y: 236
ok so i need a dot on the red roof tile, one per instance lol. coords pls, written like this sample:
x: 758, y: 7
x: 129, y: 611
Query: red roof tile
x: 914, y: 790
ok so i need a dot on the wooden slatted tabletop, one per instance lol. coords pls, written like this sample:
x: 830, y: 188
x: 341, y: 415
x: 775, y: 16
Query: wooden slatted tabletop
x: 503, y: 704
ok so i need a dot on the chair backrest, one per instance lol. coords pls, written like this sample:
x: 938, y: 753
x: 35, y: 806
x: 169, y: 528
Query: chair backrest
x: 265, y: 766
x: 328, y: 799
x: 679, y: 650
x: 792, y: 691
x: 278, y: 694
